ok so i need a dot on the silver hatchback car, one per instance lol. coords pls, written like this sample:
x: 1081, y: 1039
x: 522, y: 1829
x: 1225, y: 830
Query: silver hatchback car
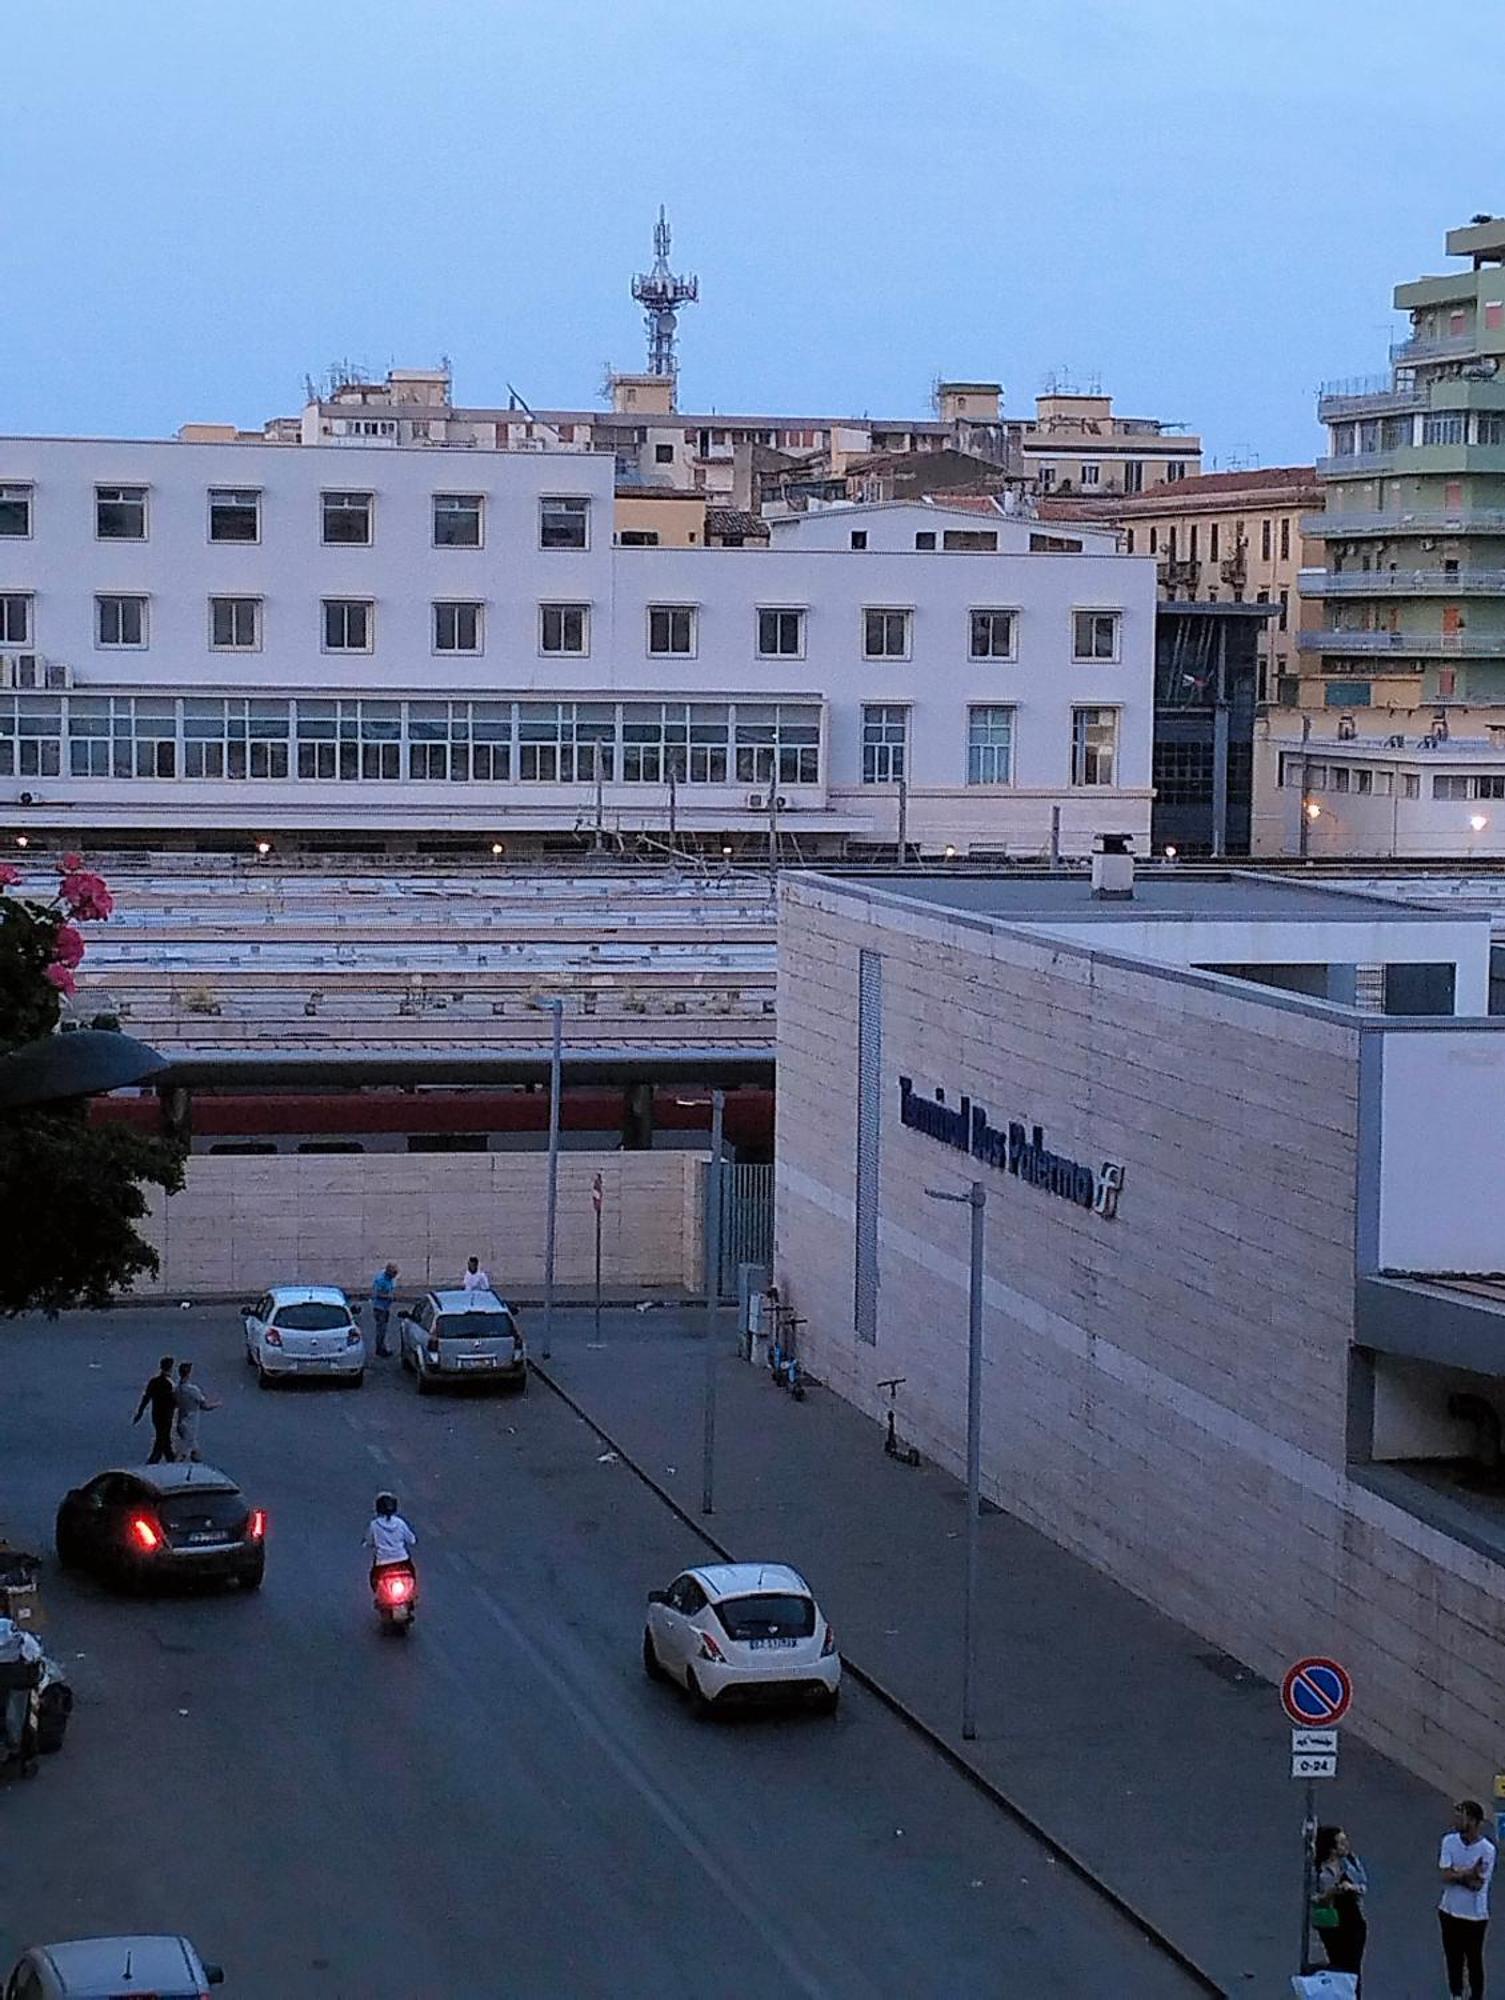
x: 167, y: 1968
x: 463, y: 1337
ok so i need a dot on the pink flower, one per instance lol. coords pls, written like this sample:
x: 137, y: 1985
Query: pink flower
x: 70, y: 863
x: 67, y: 946
x: 60, y: 977
x: 9, y: 876
x: 86, y: 896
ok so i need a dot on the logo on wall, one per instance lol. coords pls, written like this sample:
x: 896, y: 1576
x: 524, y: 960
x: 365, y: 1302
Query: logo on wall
x: 1017, y: 1149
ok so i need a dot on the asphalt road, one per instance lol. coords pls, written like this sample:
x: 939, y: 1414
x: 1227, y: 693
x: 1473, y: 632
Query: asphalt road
x: 501, y: 1805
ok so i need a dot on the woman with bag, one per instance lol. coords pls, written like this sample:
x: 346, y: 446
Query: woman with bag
x: 1338, y: 1903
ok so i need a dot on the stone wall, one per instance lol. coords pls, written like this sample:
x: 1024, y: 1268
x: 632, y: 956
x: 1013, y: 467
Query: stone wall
x: 245, y: 1221
x: 1165, y: 1392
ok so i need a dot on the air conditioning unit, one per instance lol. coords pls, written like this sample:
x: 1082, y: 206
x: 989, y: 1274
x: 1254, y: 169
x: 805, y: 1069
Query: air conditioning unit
x: 1395, y: 742
x: 30, y: 670
x: 758, y: 802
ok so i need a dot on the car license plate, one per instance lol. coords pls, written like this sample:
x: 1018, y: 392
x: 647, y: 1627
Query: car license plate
x: 206, y: 1535
x: 768, y: 1645
x: 478, y: 1361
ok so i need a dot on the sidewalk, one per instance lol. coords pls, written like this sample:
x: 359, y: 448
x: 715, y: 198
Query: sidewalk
x: 1159, y: 1762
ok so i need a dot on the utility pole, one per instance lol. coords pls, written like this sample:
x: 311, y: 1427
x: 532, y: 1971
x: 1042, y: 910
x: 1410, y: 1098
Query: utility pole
x: 673, y: 809
x: 1220, y: 747
x: 903, y: 821
x: 773, y: 817
x: 599, y: 840
x: 976, y: 1198
x: 1304, y: 821
x: 556, y: 1008
x: 597, y: 1198
x: 712, y: 1302
x: 1055, y: 839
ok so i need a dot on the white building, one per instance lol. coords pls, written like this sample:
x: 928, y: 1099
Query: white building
x: 1402, y: 796
x: 212, y: 637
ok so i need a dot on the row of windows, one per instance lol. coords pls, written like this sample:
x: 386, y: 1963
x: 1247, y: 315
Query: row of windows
x: 1359, y: 779
x: 490, y: 742
x: 346, y: 520
x: 1273, y: 529
x: 349, y: 626
x: 1377, y: 434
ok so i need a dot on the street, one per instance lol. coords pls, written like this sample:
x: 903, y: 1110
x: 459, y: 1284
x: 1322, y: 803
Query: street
x: 503, y: 1804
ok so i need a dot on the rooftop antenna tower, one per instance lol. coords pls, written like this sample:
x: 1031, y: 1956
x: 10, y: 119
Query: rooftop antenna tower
x: 661, y: 295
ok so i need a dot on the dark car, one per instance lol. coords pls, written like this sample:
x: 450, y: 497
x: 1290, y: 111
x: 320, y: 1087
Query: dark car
x: 147, y: 1524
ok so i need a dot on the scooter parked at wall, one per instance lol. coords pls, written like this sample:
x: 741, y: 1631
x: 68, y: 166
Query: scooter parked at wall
x: 394, y: 1591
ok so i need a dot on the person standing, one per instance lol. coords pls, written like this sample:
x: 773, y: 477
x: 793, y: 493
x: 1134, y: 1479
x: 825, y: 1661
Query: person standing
x: 473, y: 1278
x: 191, y: 1400
x: 383, y: 1298
x: 161, y: 1396
x: 1466, y: 1863
x: 1342, y: 1885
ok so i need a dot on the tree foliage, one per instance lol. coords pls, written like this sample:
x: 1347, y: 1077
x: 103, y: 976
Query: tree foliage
x: 71, y: 1192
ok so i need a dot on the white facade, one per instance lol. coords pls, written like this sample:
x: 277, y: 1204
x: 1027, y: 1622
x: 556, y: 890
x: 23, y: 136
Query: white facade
x: 165, y: 677
x: 922, y: 526
x: 1428, y: 797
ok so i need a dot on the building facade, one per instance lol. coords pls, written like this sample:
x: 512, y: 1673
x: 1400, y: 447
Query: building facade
x: 1431, y: 796
x: 229, y: 638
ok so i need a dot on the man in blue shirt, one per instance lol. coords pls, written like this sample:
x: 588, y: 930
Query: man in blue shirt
x: 383, y: 1298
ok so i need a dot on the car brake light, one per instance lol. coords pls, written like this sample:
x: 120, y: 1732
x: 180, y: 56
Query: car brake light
x: 256, y: 1526
x: 274, y: 1338
x: 144, y: 1533
x: 828, y: 1647
x: 709, y: 1650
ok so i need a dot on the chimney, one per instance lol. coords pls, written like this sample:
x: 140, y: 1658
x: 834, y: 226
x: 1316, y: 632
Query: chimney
x: 1113, y: 868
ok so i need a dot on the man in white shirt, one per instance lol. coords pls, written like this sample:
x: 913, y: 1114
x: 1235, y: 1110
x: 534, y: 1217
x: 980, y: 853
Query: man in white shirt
x: 1466, y: 1863
x: 473, y: 1278
x: 389, y: 1538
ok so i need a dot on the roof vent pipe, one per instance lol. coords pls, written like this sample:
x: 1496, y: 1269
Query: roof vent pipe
x: 1113, y: 867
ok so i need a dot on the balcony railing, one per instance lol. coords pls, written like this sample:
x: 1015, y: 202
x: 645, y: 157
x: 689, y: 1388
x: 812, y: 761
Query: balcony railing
x: 1490, y: 644
x: 1367, y: 396
x: 1404, y: 583
x: 1356, y: 465
x: 1338, y: 526
x: 1434, y: 347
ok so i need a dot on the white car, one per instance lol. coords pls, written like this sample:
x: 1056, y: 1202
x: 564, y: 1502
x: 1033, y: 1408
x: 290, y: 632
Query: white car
x: 162, y: 1968
x: 463, y: 1337
x: 742, y: 1632
x: 303, y: 1330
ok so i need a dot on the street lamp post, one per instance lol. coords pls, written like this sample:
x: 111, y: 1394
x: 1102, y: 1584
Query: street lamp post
x: 712, y: 1301
x: 555, y: 1007
x: 976, y: 1199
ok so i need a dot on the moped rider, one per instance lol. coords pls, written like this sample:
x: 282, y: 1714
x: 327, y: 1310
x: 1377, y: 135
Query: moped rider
x: 389, y: 1538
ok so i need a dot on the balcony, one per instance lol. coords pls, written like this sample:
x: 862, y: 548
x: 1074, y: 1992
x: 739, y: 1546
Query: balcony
x: 1338, y: 526
x: 1434, y: 347
x: 1481, y: 645
x: 1356, y: 465
x: 1404, y: 583
x: 1367, y: 396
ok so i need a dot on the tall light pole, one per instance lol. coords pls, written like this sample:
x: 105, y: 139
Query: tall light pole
x: 712, y: 1301
x: 976, y: 1199
x: 555, y: 1007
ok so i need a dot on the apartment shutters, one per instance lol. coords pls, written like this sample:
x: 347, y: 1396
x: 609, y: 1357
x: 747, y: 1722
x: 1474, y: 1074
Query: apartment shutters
x: 869, y: 1127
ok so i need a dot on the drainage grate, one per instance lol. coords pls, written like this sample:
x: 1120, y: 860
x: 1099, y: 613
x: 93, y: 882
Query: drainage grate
x: 1227, y: 1668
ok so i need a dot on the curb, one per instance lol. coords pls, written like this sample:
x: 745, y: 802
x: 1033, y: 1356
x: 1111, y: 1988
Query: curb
x: 958, y: 1762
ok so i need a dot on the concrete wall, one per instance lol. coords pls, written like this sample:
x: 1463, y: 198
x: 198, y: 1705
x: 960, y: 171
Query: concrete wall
x: 1442, y: 1155
x: 242, y: 1223
x: 1165, y: 1392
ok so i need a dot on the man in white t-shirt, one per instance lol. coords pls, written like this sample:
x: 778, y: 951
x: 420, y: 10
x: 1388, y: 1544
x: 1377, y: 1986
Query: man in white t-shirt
x: 473, y: 1278
x: 1466, y: 1863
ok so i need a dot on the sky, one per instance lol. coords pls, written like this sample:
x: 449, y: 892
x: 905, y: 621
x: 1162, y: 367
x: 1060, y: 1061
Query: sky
x: 1202, y: 207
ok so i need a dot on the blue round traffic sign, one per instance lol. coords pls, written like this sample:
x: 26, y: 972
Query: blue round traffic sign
x: 1316, y: 1693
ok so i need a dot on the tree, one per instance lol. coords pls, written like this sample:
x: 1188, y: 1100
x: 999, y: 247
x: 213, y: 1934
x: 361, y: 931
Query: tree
x: 71, y: 1192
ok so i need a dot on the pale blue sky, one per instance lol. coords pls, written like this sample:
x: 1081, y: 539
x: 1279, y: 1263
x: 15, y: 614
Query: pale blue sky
x: 1203, y: 205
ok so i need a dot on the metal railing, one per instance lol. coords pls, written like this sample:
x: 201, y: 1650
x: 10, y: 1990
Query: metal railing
x: 1433, y: 347
x: 1355, y: 464
x: 1455, y: 521
x: 1366, y: 396
x: 1489, y: 644
x: 1404, y: 583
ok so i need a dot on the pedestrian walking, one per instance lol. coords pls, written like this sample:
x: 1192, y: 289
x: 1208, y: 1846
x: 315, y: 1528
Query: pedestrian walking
x: 1338, y: 1910
x: 473, y: 1278
x: 191, y: 1400
x: 160, y: 1396
x: 383, y: 1298
x: 1466, y: 1863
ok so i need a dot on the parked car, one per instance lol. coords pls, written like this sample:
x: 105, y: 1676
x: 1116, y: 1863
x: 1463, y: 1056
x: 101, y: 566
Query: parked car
x: 109, y: 1968
x: 742, y: 1632
x: 463, y: 1337
x: 152, y: 1524
x: 304, y: 1330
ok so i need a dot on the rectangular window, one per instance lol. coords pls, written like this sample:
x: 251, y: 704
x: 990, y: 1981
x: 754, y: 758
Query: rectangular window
x: 858, y: 538
x: 688, y: 742
x: 1091, y: 475
x: 1154, y: 541
x: 663, y: 454
x: 1212, y: 541
x: 566, y: 742
x: 1410, y: 785
x: 1489, y: 786
x: 235, y: 624
x: 638, y: 538
x: 122, y: 736
x: 871, y: 1086
x: 1448, y: 787
x: 992, y: 635
x: 347, y: 519
x: 234, y: 514
x: 15, y: 618
x: 1491, y: 429
x: 1094, y: 635
x: 31, y: 736
x: 1266, y: 544
x: 885, y: 635
x: 1191, y: 542
x: 457, y: 520
x: 1285, y: 538
x: 1129, y: 541
x: 885, y: 740
x: 671, y: 630
x: 460, y: 741
x: 120, y: 621
x: 15, y: 511
x: 120, y: 513
x: 970, y: 541
x: 457, y: 627
x: 1174, y: 472
x: 564, y: 524
x: 348, y: 625
x: 990, y: 746
x: 1340, y: 777
x: 777, y: 743
x: 1285, y: 610
x: 236, y: 738
x: 1094, y: 740
x: 925, y: 539
x: 1494, y: 315
x: 563, y: 628
x: 1445, y: 427
x: 781, y: 635
x: 349, y: 739
x: 1363, y: 781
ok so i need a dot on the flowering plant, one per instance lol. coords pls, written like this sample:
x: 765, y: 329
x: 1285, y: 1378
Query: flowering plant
x: 41, y: 946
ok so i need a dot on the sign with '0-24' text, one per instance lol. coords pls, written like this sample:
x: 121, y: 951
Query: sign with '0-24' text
x: 1014, y: 1148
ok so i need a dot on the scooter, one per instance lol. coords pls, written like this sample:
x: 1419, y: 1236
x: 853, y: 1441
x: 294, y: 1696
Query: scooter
x: 394, y: 1591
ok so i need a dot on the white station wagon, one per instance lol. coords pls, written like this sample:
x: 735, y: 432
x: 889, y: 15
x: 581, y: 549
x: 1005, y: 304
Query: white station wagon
x: 303, y: 1330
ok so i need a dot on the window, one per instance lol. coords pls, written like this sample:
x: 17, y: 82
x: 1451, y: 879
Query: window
x: 1363, y: 781
x: 1285, y: 610
x: 1175, y: 471
x: 1183, y: 773
x: 235, y: 624
x: 347, y: 519
x: 688, y: 741
x: 1445, y: 427
x: 563, y: 628
x: 1491, y: 430
x: 122, y: 736
x: 663, y: 454
x: 1340, y: 777
x: 1411, y: 785
x: 1092, y: 475
x: 1285, y: 538
x: 925, y: 539
x: 15, y: 618
x: 120, y: 621
x: 15, y: 511
x: 1154, y: 541
x: 460, y: 741
x: 781, y: 635
x: 885, y: 635
x: 566, y: 742
x: 858, y: 538
x: 1212, y: 541
x: 973, y: 541
x: 777, y: 743
x: 992, y: 635
x: 120, y: 513
x: 457, y: 627
x: 1494, y: 315
x: 349, y: 739
x: 1444, y: 787
x: 1134, y: 476
x: 671, y: 629
x: 457, y: 520
x: 990, y: 746
x: 234, y: 514
x: 1266, y: 542
x: 235, y: 738
x: 1170, y: 542
x: 1489, y: 786
x: 638, y: 538
x: 1129, y: 542
x: 564, y: 524
x: 347, y: 625
x: 885, y: 739
x: 1191, y: 542
x: 1094, y: 635
x: 1094, y: 738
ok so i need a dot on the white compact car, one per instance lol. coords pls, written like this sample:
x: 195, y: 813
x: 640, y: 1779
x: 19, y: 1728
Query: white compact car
x: 303, y: 1330
x: 163, y: 1968
x: 742, y: 1632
